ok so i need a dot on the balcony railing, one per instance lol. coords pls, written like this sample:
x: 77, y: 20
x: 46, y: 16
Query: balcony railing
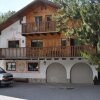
x: 25, y: 53
x: 48, y: 26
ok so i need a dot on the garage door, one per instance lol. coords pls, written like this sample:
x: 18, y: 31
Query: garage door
x: 81, y: 73
x: 56, y: 73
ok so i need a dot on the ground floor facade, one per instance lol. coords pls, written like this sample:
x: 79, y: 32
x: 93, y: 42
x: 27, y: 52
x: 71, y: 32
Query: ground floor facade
x: 52, y: 70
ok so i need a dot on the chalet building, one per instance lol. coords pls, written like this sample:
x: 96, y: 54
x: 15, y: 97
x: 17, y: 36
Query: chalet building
x: 32, y: 48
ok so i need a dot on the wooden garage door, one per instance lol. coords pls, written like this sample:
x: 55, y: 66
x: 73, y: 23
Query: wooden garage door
x: 81, y: 73
x: 56, y: 73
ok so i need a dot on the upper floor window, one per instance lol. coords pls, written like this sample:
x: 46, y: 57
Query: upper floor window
x: 13, y: 44
x: 63, y: 42
x: 48, y: 17
x: 37, y: 43
x: 11, y: 66
x: 38, y: 20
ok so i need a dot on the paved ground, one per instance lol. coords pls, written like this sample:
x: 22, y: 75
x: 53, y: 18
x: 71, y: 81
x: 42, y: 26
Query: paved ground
x: 26, y: 91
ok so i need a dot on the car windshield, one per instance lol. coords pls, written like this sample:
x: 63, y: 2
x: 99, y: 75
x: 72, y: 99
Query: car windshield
x: 1, y: 70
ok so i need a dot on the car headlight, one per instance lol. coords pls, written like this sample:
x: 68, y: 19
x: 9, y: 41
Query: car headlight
x: 4, y: 78
x: 1, y: 77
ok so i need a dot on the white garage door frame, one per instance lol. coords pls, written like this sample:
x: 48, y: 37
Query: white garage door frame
x: 79, y: 74
x: 59, y: 65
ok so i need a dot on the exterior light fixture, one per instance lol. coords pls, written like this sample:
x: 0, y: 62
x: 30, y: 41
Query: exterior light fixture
x: 44, y: 62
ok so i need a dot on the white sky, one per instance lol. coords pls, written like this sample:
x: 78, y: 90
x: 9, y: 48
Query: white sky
x: 13, y: 5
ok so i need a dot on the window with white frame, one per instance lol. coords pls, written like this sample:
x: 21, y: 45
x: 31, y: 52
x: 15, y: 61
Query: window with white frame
x: 11, y: 66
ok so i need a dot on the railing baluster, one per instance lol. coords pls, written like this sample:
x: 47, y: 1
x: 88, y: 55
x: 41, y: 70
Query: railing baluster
x: 30, y: 52
x: 39, y: 27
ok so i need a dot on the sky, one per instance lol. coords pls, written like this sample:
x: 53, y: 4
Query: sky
x: 13, y: 5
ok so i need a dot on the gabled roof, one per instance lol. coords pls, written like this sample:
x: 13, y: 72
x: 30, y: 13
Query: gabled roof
x: 18, y: 15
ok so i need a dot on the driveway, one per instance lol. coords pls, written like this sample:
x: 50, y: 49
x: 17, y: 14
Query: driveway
x: 27, y: 91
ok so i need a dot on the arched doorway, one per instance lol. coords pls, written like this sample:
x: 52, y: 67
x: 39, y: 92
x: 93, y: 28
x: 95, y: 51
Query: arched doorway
x: 56, y: 73
x: 81, y: 73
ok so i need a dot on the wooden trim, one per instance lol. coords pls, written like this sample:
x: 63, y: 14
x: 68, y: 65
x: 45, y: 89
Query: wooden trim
x: 30, y: 52
x: 48, y: 26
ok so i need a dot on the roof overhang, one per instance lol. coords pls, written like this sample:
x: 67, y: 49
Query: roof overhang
x: 21, y: 13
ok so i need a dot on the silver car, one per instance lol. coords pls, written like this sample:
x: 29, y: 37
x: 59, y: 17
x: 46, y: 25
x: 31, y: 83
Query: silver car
x: 6, y: 79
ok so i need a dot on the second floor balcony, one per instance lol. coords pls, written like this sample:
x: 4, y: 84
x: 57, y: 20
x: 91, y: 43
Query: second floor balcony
x: 45, y: 52
x: 48, y: 26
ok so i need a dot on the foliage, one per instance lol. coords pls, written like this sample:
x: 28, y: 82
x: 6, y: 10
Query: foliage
x: 87, y: 13
x: 93, y: 59
x: 5, y: 16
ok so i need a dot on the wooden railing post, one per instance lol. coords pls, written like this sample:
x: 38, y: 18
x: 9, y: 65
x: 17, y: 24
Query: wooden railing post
x: 30, y: 52
x: 39, y: 27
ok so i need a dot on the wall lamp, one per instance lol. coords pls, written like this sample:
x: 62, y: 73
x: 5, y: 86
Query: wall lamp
x: 44, y: 62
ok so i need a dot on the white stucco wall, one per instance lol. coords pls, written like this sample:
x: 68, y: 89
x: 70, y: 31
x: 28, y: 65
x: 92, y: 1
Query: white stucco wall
x: 41, y: 74
x: 13, y: 32
x: 3, y: 64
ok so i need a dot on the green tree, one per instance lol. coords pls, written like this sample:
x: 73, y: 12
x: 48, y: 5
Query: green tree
x: 5, y: 16
x: 89, y: 31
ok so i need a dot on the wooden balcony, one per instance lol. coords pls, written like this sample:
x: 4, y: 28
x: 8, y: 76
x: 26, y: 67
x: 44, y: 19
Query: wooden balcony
x: 29, y: 53
x: 49, y: 26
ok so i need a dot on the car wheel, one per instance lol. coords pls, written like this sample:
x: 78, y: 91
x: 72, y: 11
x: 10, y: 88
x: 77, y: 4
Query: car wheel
x: 0, y: 83
x: 7, y: 85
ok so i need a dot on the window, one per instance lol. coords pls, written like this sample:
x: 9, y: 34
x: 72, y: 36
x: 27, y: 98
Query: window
x: 38, y: 20
x: 33, y: 66
x: 48, y: 17
x: 11, y: 66
x: 37, y: 43
x: 63, y: 42
x: 13, y: 44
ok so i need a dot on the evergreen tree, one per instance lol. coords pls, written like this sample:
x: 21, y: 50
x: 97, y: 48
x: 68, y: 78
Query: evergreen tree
x: 5, y: 16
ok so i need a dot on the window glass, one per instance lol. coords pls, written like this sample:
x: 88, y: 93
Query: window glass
x: 11, y: 66
x: 33, y: 66
x: 48, y: 17
x: 13, y: 44
x: 38, y: 20
x: 63, y: 42
x: 37, y: 43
